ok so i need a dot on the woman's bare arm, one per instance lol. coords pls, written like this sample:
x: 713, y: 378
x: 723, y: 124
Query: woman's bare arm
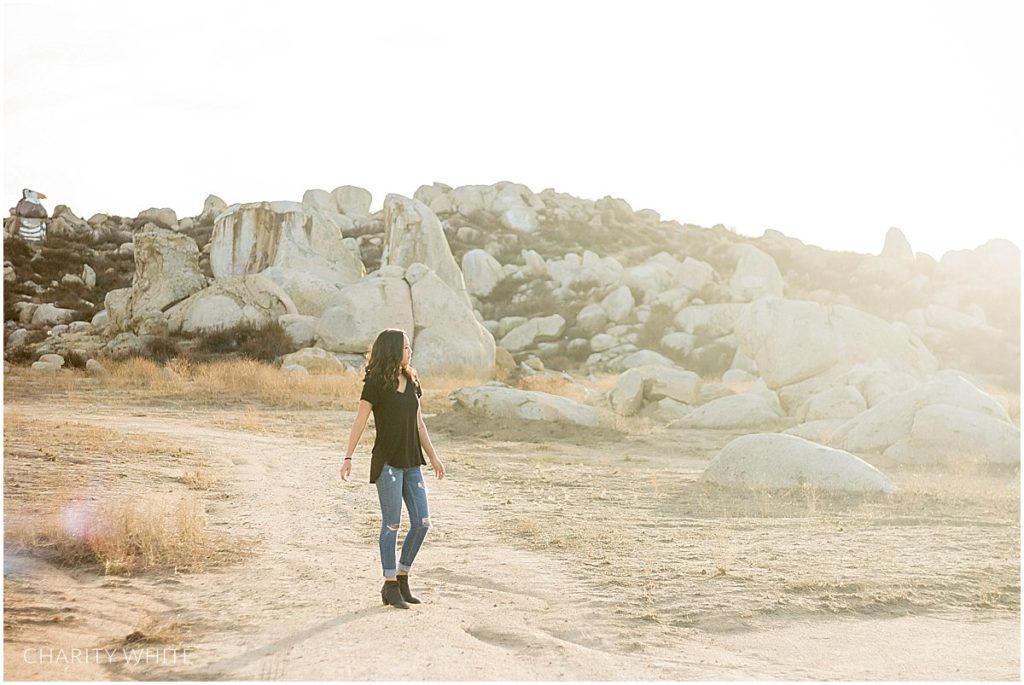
x: 424, y: 435
x: 362, y: 415
x: 427, y: 445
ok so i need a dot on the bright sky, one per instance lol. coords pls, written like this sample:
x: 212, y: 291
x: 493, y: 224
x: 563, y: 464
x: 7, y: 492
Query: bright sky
x: 829, y: 121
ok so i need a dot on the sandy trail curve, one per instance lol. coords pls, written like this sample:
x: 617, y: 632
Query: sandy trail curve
x: 306, y: 605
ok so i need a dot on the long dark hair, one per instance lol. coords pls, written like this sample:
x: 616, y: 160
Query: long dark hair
x: 386, y: 360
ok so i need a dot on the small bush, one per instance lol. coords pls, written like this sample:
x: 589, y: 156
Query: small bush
x: 711, y: 360
x: 537, y: 300
x: 248, y: 341
x: 124, y: 536
x: 16, y: 250
x: 10, y: 313
x: 658, y: 323
x: 25, y: 354
x: 161, y: 349
x: 22, y: 355
x: 559, y: 362
x: 502, y: 294
x: 74, y: 359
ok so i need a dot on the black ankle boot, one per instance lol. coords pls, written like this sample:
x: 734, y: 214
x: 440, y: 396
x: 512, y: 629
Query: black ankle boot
x: 391, y: 594
x: 403, y: 585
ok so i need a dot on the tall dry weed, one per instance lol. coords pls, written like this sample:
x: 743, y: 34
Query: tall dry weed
x: 238, y: 380
x: 136, y: 372
x: 123, y: 535
x: 154, y: 629
x: 556, y: 384
x: 635, y: 425
x: 963, y: 481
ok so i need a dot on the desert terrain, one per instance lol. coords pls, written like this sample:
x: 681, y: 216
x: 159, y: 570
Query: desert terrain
x: 556, y: 553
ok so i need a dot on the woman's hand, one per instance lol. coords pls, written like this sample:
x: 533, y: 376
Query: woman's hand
x: 346, y: 470
x: 438, y: 466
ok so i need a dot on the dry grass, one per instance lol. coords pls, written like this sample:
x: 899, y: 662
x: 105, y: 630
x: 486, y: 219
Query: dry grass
x: 199, y: 479
x: 158, y: 630
x: 73, y: 494
x: 603, y: 382
x: 635, y: 425
x: 583, y: 391
x: 45, y: 456
x: 70, y: 438
x: 554, y: 384
x: 720, y: 557
x: 670, y: 548
x: 140, y: 373
x: 241, y: 380
x: 249, y: 420
x: 123, y: 535
x: 962, y: 483
x: 221, y: 383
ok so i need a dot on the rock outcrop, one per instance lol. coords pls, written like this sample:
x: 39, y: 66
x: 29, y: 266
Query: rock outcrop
x: 943, y: 420
x: 736, y: 411
x: 448, y: 338
x: 413, y: 234
x: 363, y: 309
x: 775, y: 461
x: 791, y: 341
x: 495, y: 400
x: 251, y: 300
x: 166, y: 273
x: 248, y: 238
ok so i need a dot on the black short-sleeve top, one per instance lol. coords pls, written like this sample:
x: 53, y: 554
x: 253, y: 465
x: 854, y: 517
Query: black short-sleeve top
x: 394, y: 414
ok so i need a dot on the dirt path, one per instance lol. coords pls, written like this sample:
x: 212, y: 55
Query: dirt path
x: 306, y: 604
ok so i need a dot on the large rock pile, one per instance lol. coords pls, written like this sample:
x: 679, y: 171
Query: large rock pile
x: 296, y: 264
x: 708, y: 328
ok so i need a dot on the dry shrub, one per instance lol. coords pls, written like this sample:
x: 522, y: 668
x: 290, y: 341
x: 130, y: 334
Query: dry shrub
x: 552, y: 384
x: 549, y: 532
x: 24, y: 355
x: 98, y: 443
x: 964, y: 481
x: 156, y: 630
x: 198, y: 479
x: 254, y: 380
x: 161, y: 348
x: 17, y: 250
x: 237, y: 377
x: 21, y: 381
x: 661, y: 318
x: 135, y: 372
x: 234, y: 381
x: 603, y: 382
x: 124, y: 535
x: 266, y: 343
x: 250, y: 421
x: 556, y: 384
x: 635, y: 425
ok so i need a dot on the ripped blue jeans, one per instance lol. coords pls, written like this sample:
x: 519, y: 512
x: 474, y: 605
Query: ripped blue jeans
x: 393, y: 486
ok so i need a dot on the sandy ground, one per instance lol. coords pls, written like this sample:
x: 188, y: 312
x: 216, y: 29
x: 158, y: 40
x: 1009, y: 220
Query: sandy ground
x: 553, y: 556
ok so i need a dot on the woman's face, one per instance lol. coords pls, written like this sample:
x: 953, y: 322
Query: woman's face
x: 406, y: 351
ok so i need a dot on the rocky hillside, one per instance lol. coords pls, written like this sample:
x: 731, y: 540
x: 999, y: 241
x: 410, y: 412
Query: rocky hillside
x: 556, y: 281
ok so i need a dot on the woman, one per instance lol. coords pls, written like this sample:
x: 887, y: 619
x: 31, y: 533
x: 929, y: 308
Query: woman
x: 391, y: 390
